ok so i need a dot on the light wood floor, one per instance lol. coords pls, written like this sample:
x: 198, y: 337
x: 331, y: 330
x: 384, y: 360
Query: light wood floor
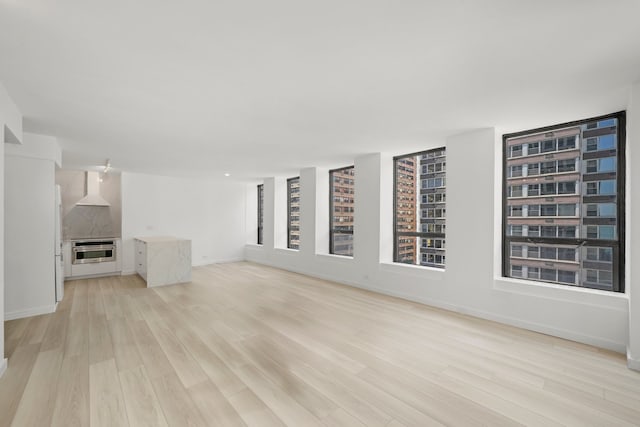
x: 249, y: 345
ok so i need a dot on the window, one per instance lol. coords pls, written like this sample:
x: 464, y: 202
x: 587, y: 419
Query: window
x: 515, y: 191
x: 515, y: 151
x: 515, y: 171
x: 574, y: 235
x: 567, y: 143
x: 341, y: 181
x: 515, y: 230
x: 567, y: 187
x: 516, y: 271
x: 293, y: 213
x: 419, y: 228
x: 260, y: 212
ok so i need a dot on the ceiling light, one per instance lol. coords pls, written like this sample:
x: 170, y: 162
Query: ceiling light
x: 107, y: 166
x: 227, y: 174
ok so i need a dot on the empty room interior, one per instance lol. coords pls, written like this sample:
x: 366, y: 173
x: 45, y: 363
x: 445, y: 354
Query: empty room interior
x: 335, y: 213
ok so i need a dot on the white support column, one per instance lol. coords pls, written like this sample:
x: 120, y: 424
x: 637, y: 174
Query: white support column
x: 632, y: 230
x: 308, y: 183
x: 268, y: 229
x: 366, y: 234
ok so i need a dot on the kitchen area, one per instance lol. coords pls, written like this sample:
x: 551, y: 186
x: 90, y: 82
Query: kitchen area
x: 91, y: 213
x: 65, y: 225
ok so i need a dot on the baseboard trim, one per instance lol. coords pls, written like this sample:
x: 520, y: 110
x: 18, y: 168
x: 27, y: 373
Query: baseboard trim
x: 35, y: 311
x: 219, y: 261
x: 3, y: 367
x: 633, y: 363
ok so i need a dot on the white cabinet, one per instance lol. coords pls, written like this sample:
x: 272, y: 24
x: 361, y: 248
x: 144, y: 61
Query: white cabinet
x: 141, y: 258
x: 163, y: 260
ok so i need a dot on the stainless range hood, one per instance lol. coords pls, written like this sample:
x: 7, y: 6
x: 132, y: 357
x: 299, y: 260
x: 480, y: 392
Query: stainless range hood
x: 93, y: 197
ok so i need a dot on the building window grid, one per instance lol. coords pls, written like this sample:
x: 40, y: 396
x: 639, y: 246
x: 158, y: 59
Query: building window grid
x: 341, y: 210
x: 599, y: 211
x: 419, y: 208
x: 293, y: 213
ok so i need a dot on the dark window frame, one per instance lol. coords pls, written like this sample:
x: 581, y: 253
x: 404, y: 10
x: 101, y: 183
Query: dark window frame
x: 260, y: 239
x: 617, y: 246
x: 414, y: 234
x: 332, y: 229
x: 289, y: 180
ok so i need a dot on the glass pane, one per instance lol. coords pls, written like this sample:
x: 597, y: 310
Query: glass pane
x: 562, y: 200
x: 343, y: 204
x: 420, y: 206
x: 260, y: 212
x: 293, y: 207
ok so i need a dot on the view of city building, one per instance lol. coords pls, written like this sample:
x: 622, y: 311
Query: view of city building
x: 562, y: 205
x: 420, y: 208
x: 342, y: 208
x: 260, y: 212
x: 293, y: 213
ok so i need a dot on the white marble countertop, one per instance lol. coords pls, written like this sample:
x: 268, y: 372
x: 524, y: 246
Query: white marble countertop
x: 152, y: 239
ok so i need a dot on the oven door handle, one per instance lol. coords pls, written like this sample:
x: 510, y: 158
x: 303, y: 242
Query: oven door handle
x: 94, y: 248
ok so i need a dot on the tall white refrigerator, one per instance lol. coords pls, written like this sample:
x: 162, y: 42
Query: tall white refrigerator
x: 59, y: 264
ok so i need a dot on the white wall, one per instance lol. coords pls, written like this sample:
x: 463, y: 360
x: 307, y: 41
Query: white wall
x: 471, y: 282
x: 10, y: 119
x: 209, y: 213
x: 29, y: 226
x: 11, y: 124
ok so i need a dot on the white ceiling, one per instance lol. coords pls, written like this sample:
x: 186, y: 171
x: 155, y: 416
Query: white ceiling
x: 260, y: 88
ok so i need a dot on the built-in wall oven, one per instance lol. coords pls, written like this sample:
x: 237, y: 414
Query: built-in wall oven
x: 93, y: 251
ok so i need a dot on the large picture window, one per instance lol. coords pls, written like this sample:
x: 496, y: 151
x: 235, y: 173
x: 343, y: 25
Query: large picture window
x: 419, y: 199
x: 564, y: 203
x: 341, y: 202
x: 293, y: 213
x: 260, y: 212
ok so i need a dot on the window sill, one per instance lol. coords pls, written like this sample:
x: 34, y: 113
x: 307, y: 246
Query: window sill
x: 431, y: 273
x: 573, y: 294
x: 288, y: 250
x: 341, y: 258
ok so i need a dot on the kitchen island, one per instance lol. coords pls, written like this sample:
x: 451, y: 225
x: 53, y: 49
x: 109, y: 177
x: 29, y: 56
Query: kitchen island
x: 163, y: 260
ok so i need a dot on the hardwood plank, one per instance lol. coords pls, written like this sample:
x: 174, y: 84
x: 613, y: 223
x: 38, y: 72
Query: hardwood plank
x: 37, y: 403
x: 80, y: 302
x: 36, y: 329
x: 341, y: 418
x: 188, y: 370
x: 214, y: 406
x: 154, y: 359
x: 100, y: 345
x: 107, y: 403
x: 72, y: 395
x: 143, y: 407
x: 56, y: 331
x: 178, y: 407
x: 253, y: 411
x: 77, y: 338
x: 14, y: 380
x: 124, y: 344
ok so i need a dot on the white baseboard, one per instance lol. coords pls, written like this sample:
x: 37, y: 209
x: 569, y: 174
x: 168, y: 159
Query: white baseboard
x: 35, y: 311
x: 218, y: 261
x: 3, y: 367
x: 633, y: 363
